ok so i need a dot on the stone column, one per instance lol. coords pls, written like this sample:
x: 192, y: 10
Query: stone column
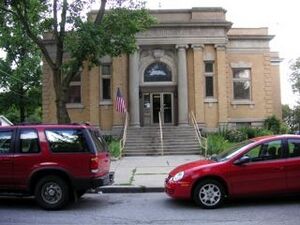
x: 182, y: 86
x: 199, y: 83
x: 134, y: 89
x: 222, y: 85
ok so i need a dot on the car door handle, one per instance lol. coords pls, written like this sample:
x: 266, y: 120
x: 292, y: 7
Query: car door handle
x: 280, y: 168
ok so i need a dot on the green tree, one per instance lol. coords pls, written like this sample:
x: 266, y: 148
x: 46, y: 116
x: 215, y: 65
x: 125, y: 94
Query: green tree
x: 288, y: 116
x: 20, y: 71
x: 295, y: 75
x: 76, y: 38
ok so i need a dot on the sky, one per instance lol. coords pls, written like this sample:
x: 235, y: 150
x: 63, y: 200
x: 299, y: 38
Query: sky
x: 281, y: 17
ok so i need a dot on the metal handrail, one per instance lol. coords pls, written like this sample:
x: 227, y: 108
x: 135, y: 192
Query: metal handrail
x: 201, y: 140
x: 124, y: 137
x: 161, y: 133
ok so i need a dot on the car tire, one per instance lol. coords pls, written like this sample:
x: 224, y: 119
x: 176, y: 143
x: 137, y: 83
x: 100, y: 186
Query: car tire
x: 52, y: 193
x: 209, y: 194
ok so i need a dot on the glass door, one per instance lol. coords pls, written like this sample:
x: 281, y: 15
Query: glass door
x: 162, y: 102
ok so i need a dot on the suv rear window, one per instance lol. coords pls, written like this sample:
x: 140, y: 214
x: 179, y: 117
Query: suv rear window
x: 99, y: 141
x: 67, y: 140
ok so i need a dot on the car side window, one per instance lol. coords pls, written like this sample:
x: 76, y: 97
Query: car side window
x: 294, y: 148
x: 266, y: 151
x: 29, y: 142
x: 66, y: 140
x: 5, y: 141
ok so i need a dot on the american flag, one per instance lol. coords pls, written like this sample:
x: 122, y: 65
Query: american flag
x: 120, y: 102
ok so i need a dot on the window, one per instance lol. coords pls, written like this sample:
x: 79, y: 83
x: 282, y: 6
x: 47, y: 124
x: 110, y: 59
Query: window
x: 241, y: 84
x: 5, y: 140
x: 106, y: 82
x: 29, y: 142
x: 266, y: 151
x: 157, y: 72
x: 67, y: 140
x: 74, y: 91
x: 99, y: 141
x: 209, y: 79
x: 294, y: 147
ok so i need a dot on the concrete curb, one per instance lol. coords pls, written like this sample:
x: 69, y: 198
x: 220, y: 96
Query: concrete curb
x: 129, y: 189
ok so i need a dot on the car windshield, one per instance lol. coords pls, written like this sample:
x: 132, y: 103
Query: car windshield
x: 231, y: 152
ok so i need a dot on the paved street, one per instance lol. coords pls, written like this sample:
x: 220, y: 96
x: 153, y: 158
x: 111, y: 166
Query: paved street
x: 150, y: 208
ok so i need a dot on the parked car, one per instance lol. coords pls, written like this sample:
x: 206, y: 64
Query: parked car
x: 55, y: 163
x: 258, y: 167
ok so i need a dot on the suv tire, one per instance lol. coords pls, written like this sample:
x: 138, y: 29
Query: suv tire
x: 52, y: 192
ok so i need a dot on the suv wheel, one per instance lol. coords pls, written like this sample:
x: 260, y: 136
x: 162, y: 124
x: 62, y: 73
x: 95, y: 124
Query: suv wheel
x: 209, y: 194
x: 52, y: 192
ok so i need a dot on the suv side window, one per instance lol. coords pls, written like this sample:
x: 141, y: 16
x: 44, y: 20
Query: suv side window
x: 266, y: 151
x: 294, y: 147
x: 66, y: 140
x: 5, y: 141
x: 29, y: 142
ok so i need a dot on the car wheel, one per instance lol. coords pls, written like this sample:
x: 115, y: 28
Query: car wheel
x: 52, y: 192
x: 209, y: 194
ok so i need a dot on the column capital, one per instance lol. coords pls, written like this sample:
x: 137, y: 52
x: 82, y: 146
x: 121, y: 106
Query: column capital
x: 197, y: 46
x: 182, y: 46
x: 220, y: 47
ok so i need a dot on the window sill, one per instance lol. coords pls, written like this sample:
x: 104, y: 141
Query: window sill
x: 74, y: 106
x: 210, y: 100
x: 106, y: 102
x: 235, y: 103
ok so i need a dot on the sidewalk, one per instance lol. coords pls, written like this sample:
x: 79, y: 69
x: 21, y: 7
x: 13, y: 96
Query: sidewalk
x: 144, y: 174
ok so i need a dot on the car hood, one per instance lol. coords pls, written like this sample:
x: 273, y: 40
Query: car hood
x: 191, y: 165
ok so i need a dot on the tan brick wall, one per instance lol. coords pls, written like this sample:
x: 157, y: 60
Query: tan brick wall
x: 119, y: 80
x: 258, y: 72
x: 276, y: 95
x: 48, y: 96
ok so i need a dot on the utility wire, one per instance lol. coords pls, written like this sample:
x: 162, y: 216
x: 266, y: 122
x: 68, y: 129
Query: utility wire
x: 11, y: 76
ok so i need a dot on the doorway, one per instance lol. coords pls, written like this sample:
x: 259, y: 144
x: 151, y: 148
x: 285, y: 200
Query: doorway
x: 155, y: 103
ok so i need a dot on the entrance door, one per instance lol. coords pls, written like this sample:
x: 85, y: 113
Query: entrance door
x: 162, y: 102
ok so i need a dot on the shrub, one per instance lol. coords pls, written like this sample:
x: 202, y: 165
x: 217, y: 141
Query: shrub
x: 114, y: 148
x: 236, y: 136
x: 273, y: 124
x: 215, y: 144
x: 262, y: 132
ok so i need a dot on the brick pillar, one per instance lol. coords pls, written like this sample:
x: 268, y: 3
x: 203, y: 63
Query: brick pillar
x: 222, y: 85
x: 199, y: 83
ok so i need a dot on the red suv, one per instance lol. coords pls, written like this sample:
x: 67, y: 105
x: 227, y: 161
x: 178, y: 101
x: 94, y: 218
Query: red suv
x: 55, y: 163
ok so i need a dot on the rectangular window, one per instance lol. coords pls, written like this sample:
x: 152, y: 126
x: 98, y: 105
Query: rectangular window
x: 5, y: 141
x: 106, y: 73
x: 241, y: 84
x: 29, y: 142
x: 294, y: 147
x: 74, y: 92
x: 66, y: 140
x: 209, y: 79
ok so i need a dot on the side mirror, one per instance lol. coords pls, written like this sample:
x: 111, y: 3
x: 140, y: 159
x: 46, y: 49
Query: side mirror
x: 242, y: 160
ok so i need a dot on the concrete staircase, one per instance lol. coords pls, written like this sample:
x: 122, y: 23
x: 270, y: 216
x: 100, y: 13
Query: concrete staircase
x: 146, y: 141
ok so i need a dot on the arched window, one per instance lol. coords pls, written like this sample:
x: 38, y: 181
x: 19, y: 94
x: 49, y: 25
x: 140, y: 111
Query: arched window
x: 157, y: 72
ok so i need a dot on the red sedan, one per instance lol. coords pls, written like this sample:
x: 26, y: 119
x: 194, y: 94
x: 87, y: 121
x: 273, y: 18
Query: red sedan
x: 260, y: 166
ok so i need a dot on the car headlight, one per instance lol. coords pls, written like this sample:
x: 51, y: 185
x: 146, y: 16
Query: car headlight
x: 178, y: 176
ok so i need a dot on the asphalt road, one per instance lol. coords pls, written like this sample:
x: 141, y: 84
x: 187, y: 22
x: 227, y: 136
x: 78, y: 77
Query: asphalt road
x: 150, y: 208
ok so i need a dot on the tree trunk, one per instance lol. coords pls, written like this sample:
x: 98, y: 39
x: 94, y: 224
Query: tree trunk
x: 61, y: 94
